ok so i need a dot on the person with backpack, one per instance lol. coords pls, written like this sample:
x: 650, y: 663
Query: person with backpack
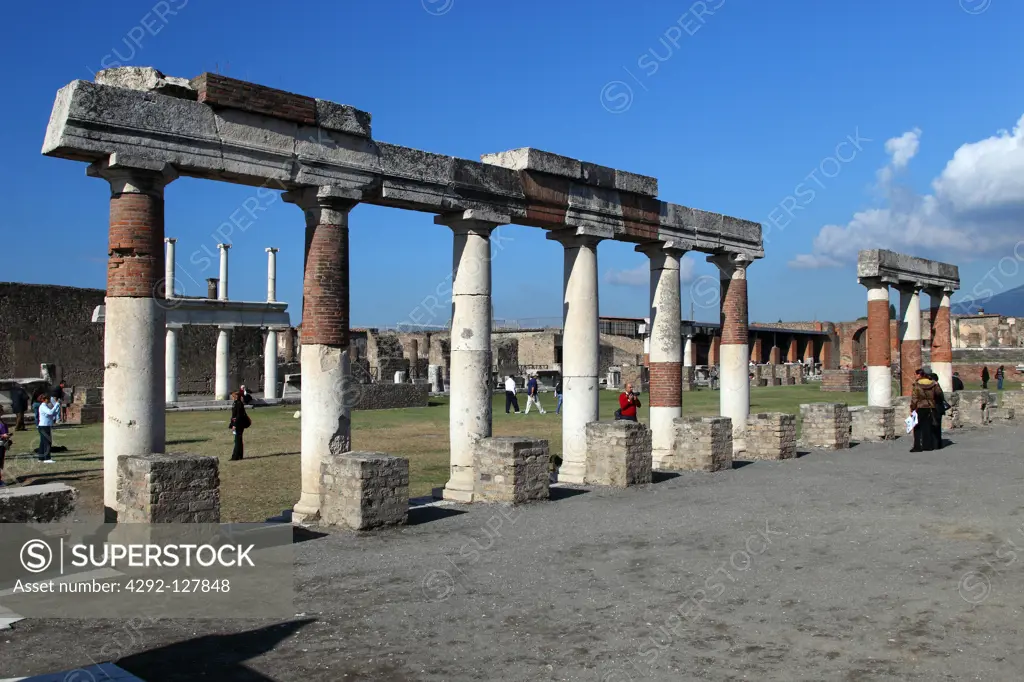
x: 1000, y: 375
x: 924, y: 400
x: 240, y: 421
x: 984, y: 377
x: 533, y: 395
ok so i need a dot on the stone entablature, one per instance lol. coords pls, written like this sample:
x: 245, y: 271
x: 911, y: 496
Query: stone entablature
x: 225, y: 129
x: 899, y: 269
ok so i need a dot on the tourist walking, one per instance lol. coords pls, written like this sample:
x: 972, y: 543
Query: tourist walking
x: 958, y: 383
x: 984, y: 377
x: 628, y: 402
x: 47, y: 411
x: 533, y: 395
x: 510, y: 395
x: 19, y: 405
x: 1000, y: 375
x: 558, y: 396
x: 5, y: 444
x: 923, y: 400
x: 239, y: 423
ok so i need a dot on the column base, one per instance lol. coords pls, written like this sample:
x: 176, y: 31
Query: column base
x: 661, y: 459
x: 457, y: 495
x: 306, y: 512
x: 739, y: 445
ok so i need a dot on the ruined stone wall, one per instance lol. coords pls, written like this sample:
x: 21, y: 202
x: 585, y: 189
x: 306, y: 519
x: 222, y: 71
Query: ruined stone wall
x: 42, y: 323
x: 535, y: 348
x: 618, y: 351
x: 986, y: 331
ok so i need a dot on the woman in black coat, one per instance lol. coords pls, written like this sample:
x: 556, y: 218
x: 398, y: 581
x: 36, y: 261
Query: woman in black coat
x: 239, y: 423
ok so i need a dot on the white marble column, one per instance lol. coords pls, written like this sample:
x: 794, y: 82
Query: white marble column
x: 270, y: 366
x: 327, y: 391
x: 222, y: 374
x: 688, y: 351
x: 171, y: 363
x: 470, y: 365
x: 169, y: 267
x: 735, y: 349
x: 222, y: 283
x: 134, y: 322
x: 580, y: 346
x: 272, y: 274
x: 910, y: 336
x: 666, y: 352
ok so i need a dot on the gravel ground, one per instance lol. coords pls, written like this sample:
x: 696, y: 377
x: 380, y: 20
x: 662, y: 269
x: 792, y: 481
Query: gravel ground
x: 868, y: 564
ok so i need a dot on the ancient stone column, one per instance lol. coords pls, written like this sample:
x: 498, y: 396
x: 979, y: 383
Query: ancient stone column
x: 211, y: 288
x: 735, y: 386
x: 580, y: 347
x: 222, y: 371
x: 169, y: 268
x: 171, y: 365
x: 910, y: 335
x: 470, y: 364
x: 666, y: 348
x: 326, y: 372
x: 755, y: 351
x: 270, y: 366
x: 791, y: 351
x: 222, y: 284
x: 688, y: 351
x: 134, y: 332
x: 879, y: 345
x: 715, y: 351
x: 271, y: 274
x: 809, y: 351
x: 942, y: 339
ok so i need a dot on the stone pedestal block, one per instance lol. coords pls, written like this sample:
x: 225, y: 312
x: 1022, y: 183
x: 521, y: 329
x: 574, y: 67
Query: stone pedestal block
x: 872, y: 423
x: 1013, y: 400
x: 771, y: 435
x: 825, y: 425
x: 844, y: 380
x: 618, y: 453
x: 94, y: 396
x: 84, y: 414
x: 511, y: 469
x: 168, y: 488
x: 362, y: 490
x: 701, y: 444
x: 973, y: 407
x: 1000, y: 414
x: 45, y: 503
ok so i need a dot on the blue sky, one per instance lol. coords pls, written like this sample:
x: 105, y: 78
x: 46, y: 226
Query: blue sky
x: 731, y: 111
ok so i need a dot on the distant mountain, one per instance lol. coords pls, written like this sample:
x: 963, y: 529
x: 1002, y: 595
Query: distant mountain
x: 1009, y: 303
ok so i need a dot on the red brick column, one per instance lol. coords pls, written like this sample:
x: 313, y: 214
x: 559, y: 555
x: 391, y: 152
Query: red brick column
x: 714, y: 351
x: 326, y: 370
x: 809, y: 350
x: 734, y: 396
x: 134, y: 316
x: 774, y: 355
x: 791, y: 352
x: 879, y: 358
x: 755, y: 351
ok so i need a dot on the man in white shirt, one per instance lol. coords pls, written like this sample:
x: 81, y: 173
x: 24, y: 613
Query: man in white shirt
x: 48, y: 413
x: 510, y: 395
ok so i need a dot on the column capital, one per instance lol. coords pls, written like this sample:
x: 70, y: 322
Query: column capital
x: 170, y: 240
x: 873, y: 282
x: 271, y: 249
x: 731, y: 265
x: 224, y: 247
x: 939, y: 291
x: 909, y: 287
x: 673, y: 248
x: 324, y: 204
x: 130, y: 175
x: 582, y: 235
x: 473, y: 220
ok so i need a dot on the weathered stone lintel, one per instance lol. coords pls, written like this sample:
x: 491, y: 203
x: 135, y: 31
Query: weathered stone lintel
x: 899, y: 269
x: 90, y: 122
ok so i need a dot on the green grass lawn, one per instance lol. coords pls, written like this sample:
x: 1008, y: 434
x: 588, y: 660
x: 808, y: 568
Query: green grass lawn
x: 267, y: 481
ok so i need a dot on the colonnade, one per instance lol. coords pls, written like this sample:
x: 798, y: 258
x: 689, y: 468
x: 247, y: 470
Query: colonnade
x: 136, y: 342
x: 879, y: 348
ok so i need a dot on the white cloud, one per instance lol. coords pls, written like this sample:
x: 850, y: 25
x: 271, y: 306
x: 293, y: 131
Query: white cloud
x: 640, y: 276
x: 976, y: 208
